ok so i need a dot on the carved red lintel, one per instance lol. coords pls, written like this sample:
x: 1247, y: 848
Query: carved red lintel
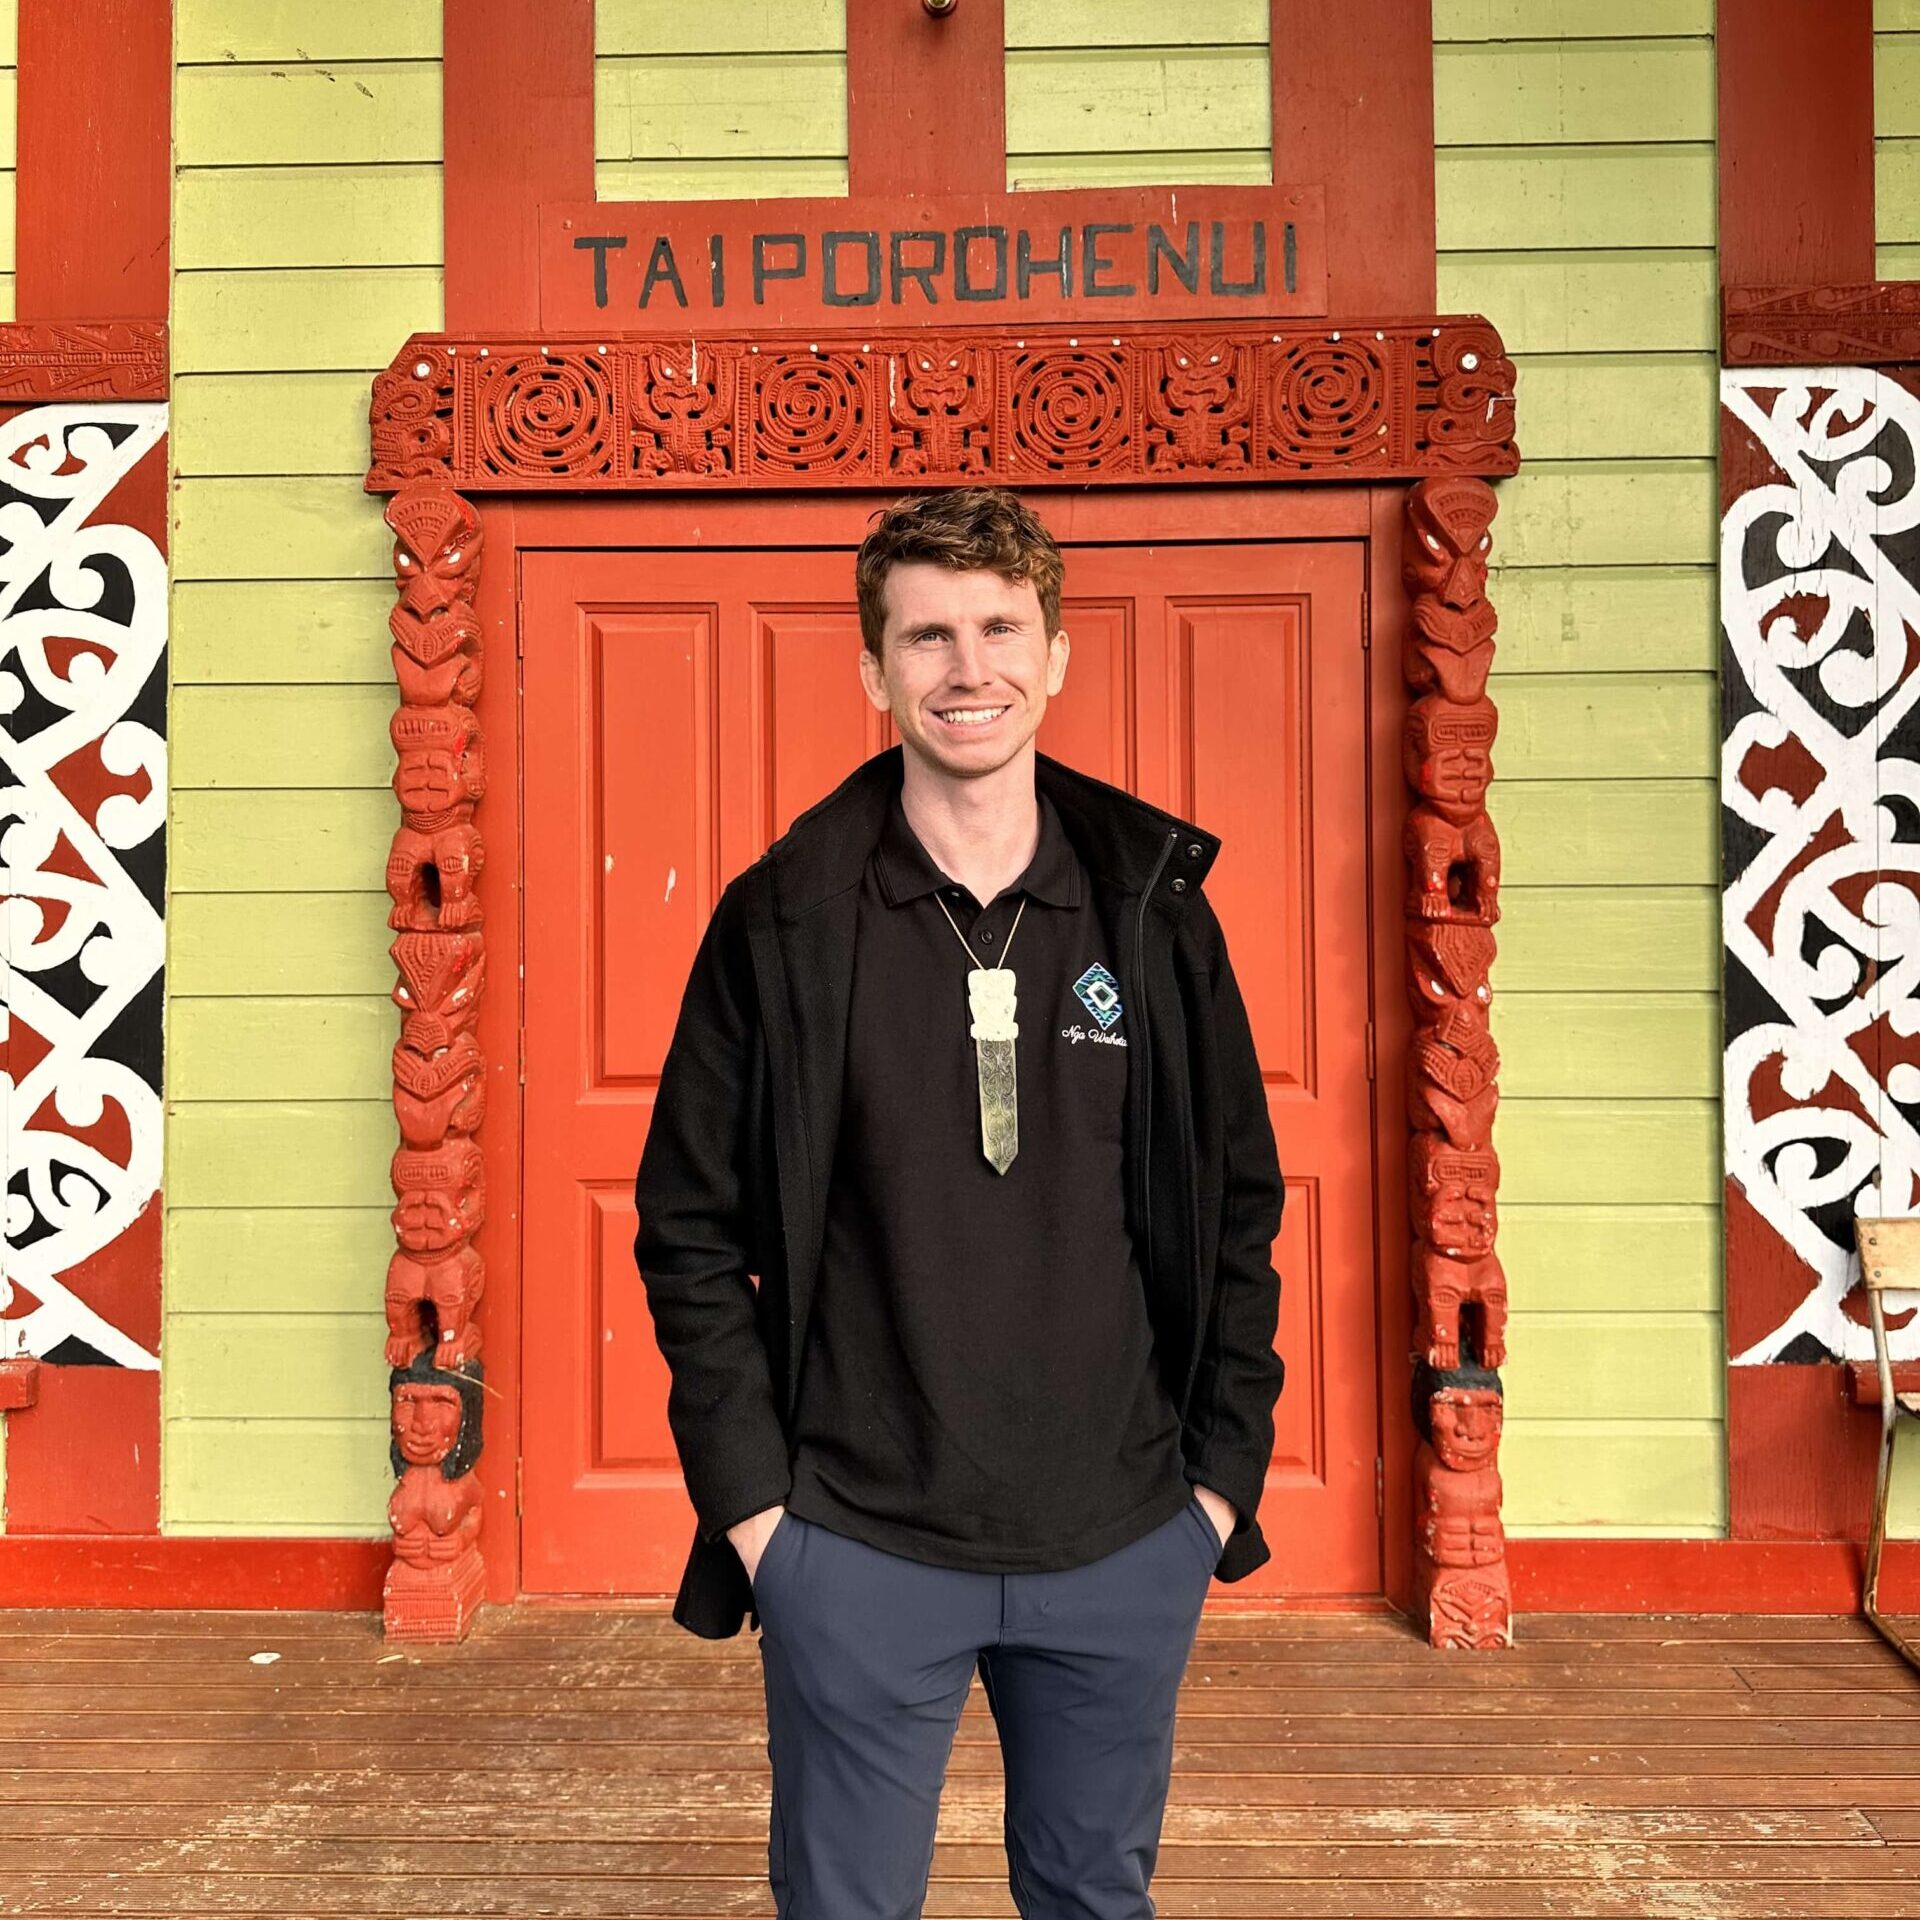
x: 46, y: 360
x: 1039, y: 406
x: 1876, y: 323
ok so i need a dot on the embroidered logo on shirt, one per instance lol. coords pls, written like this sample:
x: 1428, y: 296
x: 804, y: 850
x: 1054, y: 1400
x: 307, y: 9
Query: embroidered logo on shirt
x: 1099, y: 993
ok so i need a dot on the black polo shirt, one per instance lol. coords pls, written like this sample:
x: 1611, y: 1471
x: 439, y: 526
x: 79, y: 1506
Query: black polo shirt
x: 979, y: 1386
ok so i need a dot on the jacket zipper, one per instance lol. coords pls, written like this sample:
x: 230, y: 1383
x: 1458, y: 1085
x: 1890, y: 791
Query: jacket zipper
x: 1145, y: 1037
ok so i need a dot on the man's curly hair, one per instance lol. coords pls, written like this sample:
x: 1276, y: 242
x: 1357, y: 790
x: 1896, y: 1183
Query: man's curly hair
x: 966, y: 528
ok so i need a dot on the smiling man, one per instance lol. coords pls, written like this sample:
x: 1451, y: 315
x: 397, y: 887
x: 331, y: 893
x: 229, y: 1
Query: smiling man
x: 963, y: 1075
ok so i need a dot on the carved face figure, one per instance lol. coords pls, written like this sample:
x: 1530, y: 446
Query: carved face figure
x: 1466, y: 1427
x: 1455, y: 1196
x: 426, y: 1423
x: 1447, y: 553
x: 436, y: 550
x: 1447, y: 753
x: 966, y: 667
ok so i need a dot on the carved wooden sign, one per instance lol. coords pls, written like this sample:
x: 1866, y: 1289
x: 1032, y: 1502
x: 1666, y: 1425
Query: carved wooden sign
x: 1163, y: 254
x: 1046, y: 406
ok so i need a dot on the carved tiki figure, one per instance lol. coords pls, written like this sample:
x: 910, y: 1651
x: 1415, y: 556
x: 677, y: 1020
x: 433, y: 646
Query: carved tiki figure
x: 1444, y: 565
x: 442, y: 1195
x: 1443, y: 1287
x: 430, y: 1307
x: 441, y: 976
x: 437, y: 1577
x: 1460, y: 1544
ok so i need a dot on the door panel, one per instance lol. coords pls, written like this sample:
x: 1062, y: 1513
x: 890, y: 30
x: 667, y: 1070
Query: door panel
x: 680, y: 708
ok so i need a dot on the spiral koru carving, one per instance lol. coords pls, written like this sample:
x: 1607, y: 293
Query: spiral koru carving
x: 1326, y: 402
x: 546, y: 415
x: 811, y: 412
x: 1071, y: 412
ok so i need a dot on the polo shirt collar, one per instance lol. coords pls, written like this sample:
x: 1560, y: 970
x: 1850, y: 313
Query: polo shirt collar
x: 908, y: 871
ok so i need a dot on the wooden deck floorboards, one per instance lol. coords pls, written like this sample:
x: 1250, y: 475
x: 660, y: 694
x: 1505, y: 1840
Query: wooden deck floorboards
x: 605, y: 1763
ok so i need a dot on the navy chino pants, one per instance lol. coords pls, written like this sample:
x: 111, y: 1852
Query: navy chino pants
x: 868, y: 1657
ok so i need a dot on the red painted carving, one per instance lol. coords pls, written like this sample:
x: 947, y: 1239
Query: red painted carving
x: 1039, y: 406
x: 1452, y: 902
x: 1875, y: 323
x: 1460, y: 1548
x: 435, y: 1583
x: 44, y: 360
x: 436, y: 1276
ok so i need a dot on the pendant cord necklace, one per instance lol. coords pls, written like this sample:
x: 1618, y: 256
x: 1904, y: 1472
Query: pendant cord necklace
x: 990, y: 1000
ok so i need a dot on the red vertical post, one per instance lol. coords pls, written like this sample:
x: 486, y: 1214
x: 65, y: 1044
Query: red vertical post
x: 517, y: 108
x: 95, y: 86
x: 1353, y: 108
x: 1795, y: 141
x: 926, y: 97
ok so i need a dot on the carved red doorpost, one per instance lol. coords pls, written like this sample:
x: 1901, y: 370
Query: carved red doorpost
x: 439, y: 1083
x: 1453, y: 899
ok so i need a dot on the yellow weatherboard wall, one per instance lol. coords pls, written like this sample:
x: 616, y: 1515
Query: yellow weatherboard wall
x: 306, y: 246
x: 1575, y: 173
x: 728, y: 99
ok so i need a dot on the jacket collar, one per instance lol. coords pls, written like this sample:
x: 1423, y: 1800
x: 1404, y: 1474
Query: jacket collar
x: 1119, y: 839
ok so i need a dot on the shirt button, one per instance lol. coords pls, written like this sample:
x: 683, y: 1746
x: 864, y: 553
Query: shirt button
x: 986, y: 936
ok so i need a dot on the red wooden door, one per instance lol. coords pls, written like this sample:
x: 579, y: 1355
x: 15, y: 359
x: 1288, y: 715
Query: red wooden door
x: 680, y: 708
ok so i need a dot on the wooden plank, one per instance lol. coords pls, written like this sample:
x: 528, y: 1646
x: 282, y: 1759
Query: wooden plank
x: 239, y: 943
x: 1657, y: 1366
x: 236, y: 736
x: 320, y: 424
x: 281, y: 528
x: 298, y: 320
x: 1120, y: 100
x: 280, y: 841
x: 269, y: 1367
x: 216, y: 1255
x: 1134, y: 23
x: 1619, y: 406
x: 1570, y: 301
x: 718, y: 179
x: 1896, y: 176
x: 1603, y: 833
x: 1896, y: 16
x: 1569, y: 19
x: 1896, y: 84
x: 281, y: 1153
x: 302, y: 114
x: 1537, y: 198
x: 1549, y: 92
x: 1570, y: 1256
x: 1577, y: 513
x: 1605, y: 619
x: 1247, y: 168
x: 736, y: 106
x: 1615, y: 1046
x: 216, y: 31
x: 280, y: 1477
x: 719, y: 26
x: 1609, y: 1152
x: 311, y: 216
x: 290, y: 1047
x: 241, y: 630
x: 1621, y: 726
x: 1616, y: 939
x: 1592, y: 1474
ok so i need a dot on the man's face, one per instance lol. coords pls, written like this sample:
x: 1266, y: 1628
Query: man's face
x: 966, y: 666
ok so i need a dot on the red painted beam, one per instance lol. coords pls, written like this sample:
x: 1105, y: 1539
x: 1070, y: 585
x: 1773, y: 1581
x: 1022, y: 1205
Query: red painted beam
x: 517, y: 103
x: 926, y: 98
x: 95, y: 90
x: 93, y: 1570
x: 1707, y: 1576
x: 1795, y: 141
x: 1353, y: 108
